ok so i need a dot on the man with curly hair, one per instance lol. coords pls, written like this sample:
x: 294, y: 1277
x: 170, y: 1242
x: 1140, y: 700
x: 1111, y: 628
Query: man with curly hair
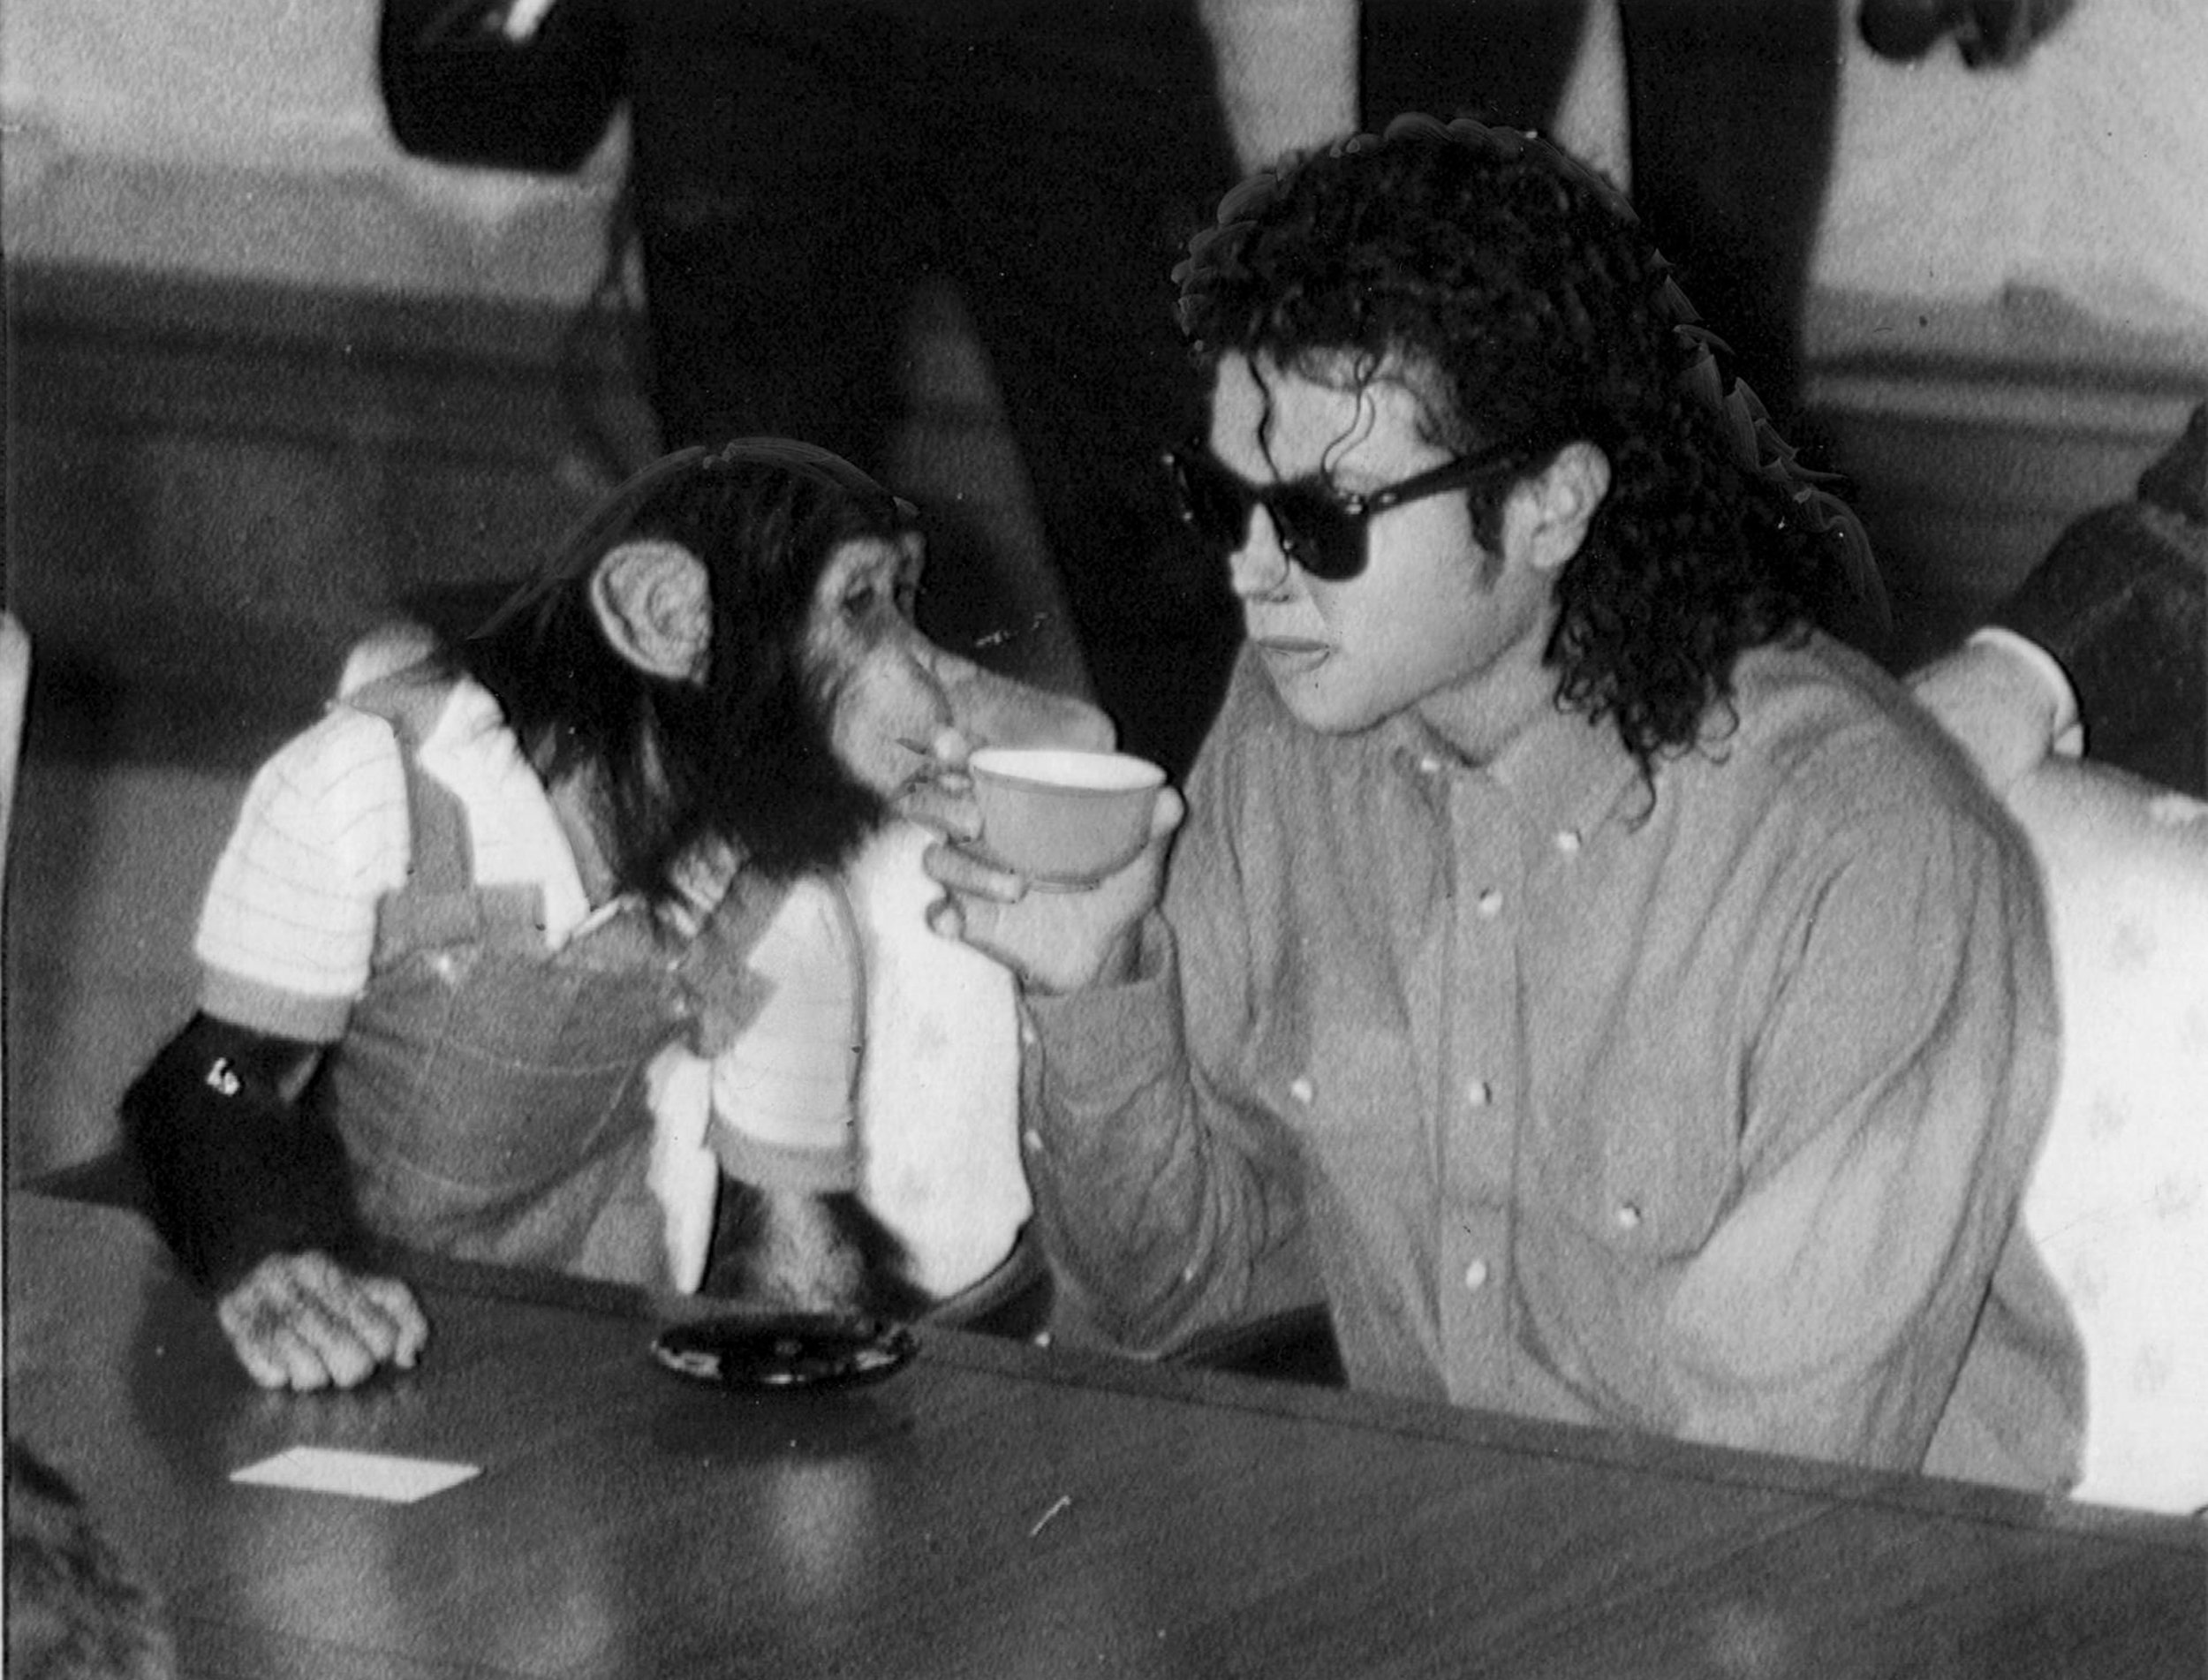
x: 1629, y: 1005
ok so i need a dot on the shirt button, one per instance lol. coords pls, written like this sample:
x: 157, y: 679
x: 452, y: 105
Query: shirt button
x: 1480, y: 1094
x: 1476, y: 1275
x: 1032, y: 1139
x: 1567, y: 842
x: 1027, y: 1035
x: 1302, y: 1089
x: 1429, y: 766
x: 1490, y: 904
x: 1628, y: 1216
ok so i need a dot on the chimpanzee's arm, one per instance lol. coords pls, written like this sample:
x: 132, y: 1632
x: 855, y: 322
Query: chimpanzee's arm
x: 234, y: 1169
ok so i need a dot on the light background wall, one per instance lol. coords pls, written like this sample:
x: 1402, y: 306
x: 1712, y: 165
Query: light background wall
x: 2077, y: 171
x: 266, y: 373
x: 243, y: 138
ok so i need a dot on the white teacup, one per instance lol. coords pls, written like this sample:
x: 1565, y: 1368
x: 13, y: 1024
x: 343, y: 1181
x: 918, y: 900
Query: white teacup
x: 1061, y: 816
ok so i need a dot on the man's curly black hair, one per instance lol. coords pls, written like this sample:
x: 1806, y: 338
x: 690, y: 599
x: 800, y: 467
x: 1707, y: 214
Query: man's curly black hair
x: 1516, y: 296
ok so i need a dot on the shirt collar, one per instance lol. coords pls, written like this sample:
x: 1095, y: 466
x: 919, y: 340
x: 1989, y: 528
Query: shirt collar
x: 1568, y: 774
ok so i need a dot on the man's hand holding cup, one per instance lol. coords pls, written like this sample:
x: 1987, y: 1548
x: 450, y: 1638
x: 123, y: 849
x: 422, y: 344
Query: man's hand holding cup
x: 1070, y: 858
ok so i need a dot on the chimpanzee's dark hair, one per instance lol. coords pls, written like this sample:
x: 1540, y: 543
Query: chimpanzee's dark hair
x: 743, y: 758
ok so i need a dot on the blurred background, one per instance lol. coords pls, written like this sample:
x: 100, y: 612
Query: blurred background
x: 267, y: 377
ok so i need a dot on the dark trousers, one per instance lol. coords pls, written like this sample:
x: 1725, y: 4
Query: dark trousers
x: 1732, y: 109
x: 799, y: 168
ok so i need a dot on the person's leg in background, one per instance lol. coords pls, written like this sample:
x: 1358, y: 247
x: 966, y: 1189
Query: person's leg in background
x: 783, y: 164
x: 1088, y: 147
x: 1501, y: 61
x: 798, y: 171
x: 777, y: 244
x: 1733, y: 110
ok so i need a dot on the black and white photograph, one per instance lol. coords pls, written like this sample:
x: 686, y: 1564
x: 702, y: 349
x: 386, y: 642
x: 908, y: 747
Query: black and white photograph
x: 1142, y: 838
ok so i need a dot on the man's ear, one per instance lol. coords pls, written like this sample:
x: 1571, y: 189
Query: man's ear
x: 654, y: 607
x: 1561, y: 502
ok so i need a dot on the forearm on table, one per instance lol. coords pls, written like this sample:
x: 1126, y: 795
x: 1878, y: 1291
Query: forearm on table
x: 234, y: 1170
x: 1145, y: 1195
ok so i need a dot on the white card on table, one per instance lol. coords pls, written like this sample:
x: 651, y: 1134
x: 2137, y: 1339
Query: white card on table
x: 356, y: 1475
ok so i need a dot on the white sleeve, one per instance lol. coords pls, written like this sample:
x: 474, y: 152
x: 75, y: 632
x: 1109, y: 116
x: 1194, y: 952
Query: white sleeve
x: 2069, y: 731
x: 287, y: 930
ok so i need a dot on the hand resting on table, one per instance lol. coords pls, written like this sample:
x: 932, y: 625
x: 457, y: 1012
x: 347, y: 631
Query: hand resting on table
x: 303, y: 1321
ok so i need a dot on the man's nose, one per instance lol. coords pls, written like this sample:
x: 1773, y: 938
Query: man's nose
x: 1258, y: 567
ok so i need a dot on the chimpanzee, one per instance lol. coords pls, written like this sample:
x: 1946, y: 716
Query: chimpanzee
x: 466, y: 918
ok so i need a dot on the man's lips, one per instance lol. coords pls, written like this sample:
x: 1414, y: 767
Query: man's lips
x: 1292, y: 648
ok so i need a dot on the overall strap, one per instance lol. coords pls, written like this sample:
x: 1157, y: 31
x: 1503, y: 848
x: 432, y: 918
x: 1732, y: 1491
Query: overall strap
x: 440, y: 904
x: 443, y: 851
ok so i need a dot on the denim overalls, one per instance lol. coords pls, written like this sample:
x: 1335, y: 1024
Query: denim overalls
x: 490, y: 1093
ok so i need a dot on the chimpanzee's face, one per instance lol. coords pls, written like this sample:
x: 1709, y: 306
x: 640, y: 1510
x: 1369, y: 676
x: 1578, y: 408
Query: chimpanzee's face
x: 878, y: 671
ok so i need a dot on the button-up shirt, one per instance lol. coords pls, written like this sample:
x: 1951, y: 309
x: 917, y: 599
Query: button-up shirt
x: 1700, y: 1104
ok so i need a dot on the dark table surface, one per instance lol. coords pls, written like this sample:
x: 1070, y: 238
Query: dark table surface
x: 999, y: 1509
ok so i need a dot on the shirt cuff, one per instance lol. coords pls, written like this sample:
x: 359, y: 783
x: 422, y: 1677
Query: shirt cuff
x: 2067, y: 732
x: 242, y: 1000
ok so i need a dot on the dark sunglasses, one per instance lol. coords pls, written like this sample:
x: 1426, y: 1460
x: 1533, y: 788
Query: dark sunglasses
x: 1320, y: 528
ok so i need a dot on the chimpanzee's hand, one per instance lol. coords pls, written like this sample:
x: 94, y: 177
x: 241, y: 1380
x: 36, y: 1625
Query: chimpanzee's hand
x: 1053, y: 941
x: 939, y: 793
x: 304, y: 1321
x: 988, y: 710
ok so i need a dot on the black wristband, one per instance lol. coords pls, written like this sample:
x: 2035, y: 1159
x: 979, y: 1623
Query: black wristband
x: 233, y: 1171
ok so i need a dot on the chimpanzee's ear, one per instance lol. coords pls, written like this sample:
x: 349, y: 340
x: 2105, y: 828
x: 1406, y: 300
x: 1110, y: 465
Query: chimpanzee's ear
x: 654, y: 607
